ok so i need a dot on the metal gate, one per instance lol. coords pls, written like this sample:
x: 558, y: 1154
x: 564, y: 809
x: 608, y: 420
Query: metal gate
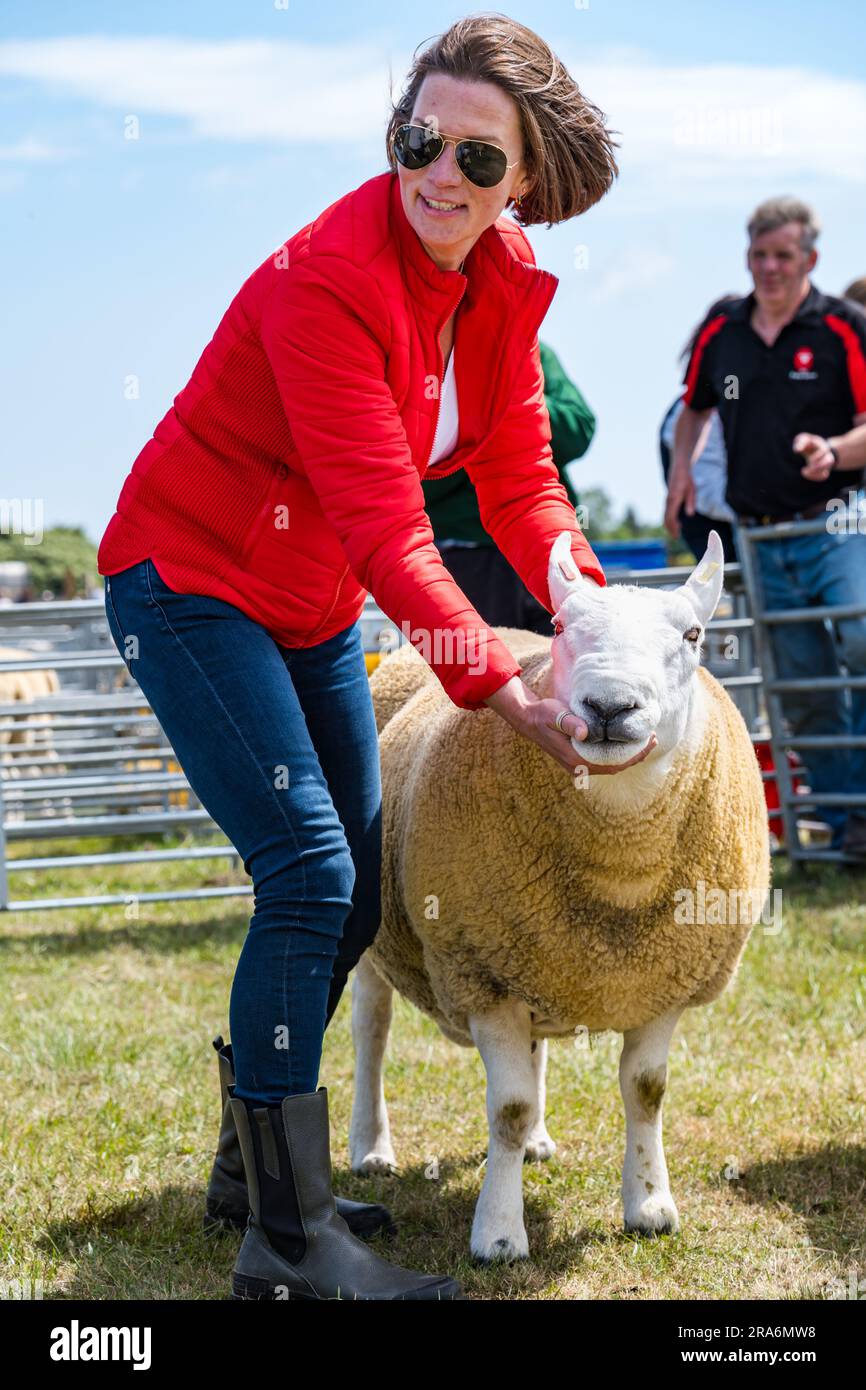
x: 88, y: 757
x: 794, y: 800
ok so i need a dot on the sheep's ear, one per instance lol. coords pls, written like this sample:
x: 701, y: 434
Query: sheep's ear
x: 563, y: 576
x: 704, y: 584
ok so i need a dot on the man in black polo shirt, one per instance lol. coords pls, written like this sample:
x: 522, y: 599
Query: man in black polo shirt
x: 785, y: 367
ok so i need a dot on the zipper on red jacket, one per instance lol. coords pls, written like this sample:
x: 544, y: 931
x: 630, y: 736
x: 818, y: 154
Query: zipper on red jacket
x: 454, y: 309
x: 439, y: 328
x: 446, y: 473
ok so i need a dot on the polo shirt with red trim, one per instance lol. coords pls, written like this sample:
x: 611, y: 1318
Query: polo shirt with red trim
x: 813, y: 379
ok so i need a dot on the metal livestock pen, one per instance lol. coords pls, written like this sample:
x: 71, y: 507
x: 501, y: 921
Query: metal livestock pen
x: 87, y: 757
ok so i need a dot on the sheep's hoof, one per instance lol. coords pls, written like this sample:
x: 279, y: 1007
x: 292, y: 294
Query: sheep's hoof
x: 504, y: 1250
x: 375, y: 1163
x: 539, y: 1149
x: 656, y: 1216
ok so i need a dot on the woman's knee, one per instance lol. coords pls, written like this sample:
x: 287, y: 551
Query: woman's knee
x: 342, y: 875
x: 302, y: 876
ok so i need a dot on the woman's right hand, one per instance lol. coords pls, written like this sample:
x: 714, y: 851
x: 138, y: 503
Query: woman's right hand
x: 535, y: 719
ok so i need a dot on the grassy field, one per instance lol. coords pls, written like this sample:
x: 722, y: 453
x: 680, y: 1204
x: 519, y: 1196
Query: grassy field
x: 110, y: 1112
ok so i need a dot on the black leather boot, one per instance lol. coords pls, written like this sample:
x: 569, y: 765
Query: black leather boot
x: 226, y: 1204
x: 296, y: 1246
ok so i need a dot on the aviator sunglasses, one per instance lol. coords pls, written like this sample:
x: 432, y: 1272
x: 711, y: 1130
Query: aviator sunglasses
x: 416, y: 146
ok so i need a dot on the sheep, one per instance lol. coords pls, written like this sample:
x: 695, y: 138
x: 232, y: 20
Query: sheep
x: 518, y: 906
x: 18, y: 688
x: 24, y: 685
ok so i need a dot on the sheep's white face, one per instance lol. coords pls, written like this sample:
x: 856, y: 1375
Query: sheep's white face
x: 626, y: 656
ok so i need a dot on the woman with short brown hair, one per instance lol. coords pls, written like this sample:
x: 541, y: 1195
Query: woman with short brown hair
x: 284, y: 484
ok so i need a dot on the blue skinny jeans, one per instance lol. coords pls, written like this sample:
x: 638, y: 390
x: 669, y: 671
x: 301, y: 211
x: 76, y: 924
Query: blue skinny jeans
x: 280, y: 747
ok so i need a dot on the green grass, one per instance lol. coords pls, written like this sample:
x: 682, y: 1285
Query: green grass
x: 110, y: 1112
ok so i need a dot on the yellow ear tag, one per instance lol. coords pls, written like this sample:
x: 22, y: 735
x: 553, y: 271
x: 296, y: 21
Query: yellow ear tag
x: 566, y: 570
x: 707, y: 572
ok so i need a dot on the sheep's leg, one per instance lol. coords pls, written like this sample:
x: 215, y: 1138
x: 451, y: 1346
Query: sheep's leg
x: 647, y: 1202
x: 370, y: 1148
x: 502, y: 1036
x: 539, y: 1145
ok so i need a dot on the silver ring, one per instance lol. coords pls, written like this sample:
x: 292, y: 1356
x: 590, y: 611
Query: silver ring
x: 563, y: 713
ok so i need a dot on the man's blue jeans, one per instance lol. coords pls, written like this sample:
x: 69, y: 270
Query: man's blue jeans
x: 279, y: 745
x: 825, y: 568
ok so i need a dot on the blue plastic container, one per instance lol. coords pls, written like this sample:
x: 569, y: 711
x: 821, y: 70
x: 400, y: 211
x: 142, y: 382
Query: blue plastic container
x: 631, y: 555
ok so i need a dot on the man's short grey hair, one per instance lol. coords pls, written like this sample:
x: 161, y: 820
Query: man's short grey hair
x: 775, y: 212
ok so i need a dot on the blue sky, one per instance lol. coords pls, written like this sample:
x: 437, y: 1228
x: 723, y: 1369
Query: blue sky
x: 121, y: 255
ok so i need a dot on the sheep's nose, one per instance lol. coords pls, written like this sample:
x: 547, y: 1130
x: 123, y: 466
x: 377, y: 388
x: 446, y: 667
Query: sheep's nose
x: 607, y: 710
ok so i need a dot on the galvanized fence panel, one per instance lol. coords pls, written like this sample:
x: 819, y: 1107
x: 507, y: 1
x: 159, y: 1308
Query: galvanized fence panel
x: 87, y: 757
x: 793, y: 800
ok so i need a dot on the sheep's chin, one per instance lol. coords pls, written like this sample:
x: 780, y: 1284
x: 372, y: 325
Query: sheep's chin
x: 609, y: 754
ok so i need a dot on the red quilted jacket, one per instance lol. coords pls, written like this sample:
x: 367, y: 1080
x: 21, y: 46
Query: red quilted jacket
x: 286, y: 477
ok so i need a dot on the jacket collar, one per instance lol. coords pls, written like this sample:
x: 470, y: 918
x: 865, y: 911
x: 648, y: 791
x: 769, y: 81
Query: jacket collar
x: 489, y: 259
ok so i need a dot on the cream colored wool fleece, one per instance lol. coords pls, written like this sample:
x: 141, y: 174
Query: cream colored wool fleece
x: 501, y: 878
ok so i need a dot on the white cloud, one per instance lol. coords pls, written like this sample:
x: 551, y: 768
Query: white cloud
x: 30, y: 150
x: 636, y: 268
x: 228, y: 90
x: 711, y: 123
x: 719, y: 120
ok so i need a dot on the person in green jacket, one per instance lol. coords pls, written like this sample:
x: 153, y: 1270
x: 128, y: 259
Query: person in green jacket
x: 492, y: 586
